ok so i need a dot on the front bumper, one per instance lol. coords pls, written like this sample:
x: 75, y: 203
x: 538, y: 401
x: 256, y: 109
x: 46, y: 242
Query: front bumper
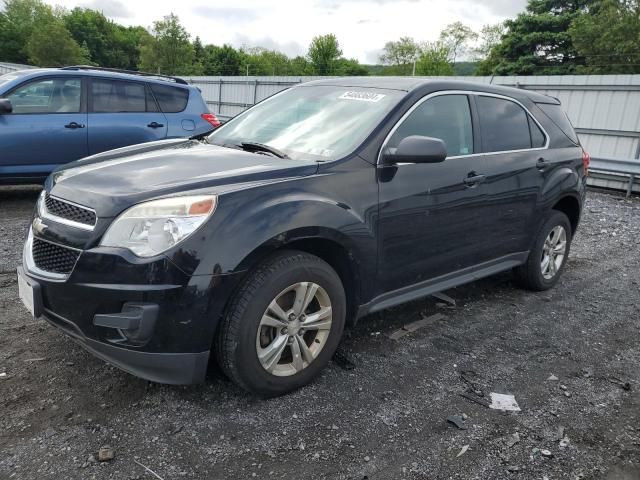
x: 145, y: 316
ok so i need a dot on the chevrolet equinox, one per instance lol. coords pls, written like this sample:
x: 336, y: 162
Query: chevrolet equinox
x: 331, y: 200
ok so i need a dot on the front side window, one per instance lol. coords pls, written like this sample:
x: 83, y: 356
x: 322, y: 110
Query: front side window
x: 311, y: 122
x: 447, y: 117
x: 504, y: 124
x: 115, y: 96
x: 53, y: 95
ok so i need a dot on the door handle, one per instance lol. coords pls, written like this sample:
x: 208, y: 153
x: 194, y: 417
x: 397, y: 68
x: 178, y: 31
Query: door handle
x: 473, y: 179
x: 74, y: 125
x: 155, y: 125
x: 541, y: 164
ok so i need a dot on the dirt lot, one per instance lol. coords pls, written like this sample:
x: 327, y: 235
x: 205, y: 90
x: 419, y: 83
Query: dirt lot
x: 570, y: 356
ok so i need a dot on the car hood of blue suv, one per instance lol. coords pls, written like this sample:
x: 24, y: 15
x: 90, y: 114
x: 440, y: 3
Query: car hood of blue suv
x: 114, y: 180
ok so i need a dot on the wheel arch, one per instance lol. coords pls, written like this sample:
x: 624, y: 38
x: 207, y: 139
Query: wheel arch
x: 570, y: 206
x: 327, y: 244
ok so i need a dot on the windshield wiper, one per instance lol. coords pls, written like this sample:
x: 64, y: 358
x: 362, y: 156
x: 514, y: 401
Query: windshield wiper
x: 261, y: 147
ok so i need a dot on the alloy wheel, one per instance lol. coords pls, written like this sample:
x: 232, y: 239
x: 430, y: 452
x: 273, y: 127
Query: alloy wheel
x: 294, y: 329
x: 553, y: 252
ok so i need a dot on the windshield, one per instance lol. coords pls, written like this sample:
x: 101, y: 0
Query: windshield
x: 315, y: 122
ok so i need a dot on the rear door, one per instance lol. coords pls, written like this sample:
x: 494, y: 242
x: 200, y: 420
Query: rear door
x: 516, y: 157
x: 47, y: 126
x: 184, y: 114
x: 122, y: 113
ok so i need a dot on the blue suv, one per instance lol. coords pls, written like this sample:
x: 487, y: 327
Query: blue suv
x: 49, y: 117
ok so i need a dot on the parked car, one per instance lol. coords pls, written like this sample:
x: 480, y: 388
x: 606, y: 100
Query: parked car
x: 53, y: 116
x: 320, y: 205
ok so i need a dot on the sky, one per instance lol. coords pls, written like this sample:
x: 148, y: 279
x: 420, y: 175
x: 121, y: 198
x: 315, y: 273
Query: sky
x: 362, y: 26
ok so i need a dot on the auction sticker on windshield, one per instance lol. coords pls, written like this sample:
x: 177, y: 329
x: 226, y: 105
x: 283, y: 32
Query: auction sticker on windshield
x: 362, y: 96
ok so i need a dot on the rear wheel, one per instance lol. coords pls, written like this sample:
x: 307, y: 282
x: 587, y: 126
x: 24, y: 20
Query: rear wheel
x: 284, y: 324
x: 549, y: 255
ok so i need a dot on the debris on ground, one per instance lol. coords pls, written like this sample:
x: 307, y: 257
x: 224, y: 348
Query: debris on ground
x: 476, y: 399
x: 621, y: 383
x: 513, y: 439
x: 445, y: 298
x: 552, y: 378
x: 506, y: 403
x: 412, y: 327
x: 463, y: 451
x: 457, y: 421
x: 105, y: 453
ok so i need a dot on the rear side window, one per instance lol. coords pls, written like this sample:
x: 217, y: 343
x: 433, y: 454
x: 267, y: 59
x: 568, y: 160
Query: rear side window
x: 504, y: 124
x: 557, y: 116
x: 115, y: 96
x: 538, y: 140
x: 447, y: 117
x: 170, y: 99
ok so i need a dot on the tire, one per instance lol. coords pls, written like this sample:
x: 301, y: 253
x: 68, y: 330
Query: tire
x: 531, y: 275
x: 248, y: 342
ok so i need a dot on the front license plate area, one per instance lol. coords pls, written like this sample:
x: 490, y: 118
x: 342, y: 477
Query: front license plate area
x: 29, y: 293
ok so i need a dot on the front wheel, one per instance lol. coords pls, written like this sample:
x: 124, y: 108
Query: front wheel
x: 283, y: 325
x: 548, y: 256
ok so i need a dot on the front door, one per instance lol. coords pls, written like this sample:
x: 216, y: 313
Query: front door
x: 431, y: 218
x: 46, y: 128
x: 122, y: 113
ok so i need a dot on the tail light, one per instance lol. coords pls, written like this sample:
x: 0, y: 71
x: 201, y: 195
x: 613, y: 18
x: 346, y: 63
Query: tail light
x: 586, y: 160
x: 212, y: 119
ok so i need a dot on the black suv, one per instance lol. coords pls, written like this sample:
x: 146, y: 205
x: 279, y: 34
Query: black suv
x: 320, y: 205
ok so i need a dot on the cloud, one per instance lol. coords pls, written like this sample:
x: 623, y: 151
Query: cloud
x: 504, y: 8
x: 227, y: 14
x: 109, y: 8
x: 290, y: 49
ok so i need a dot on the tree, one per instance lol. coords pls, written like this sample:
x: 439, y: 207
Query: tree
x: 350, y: 67
x: 456, y: 37
x: 197, y: 68
x: 19, y: 21
x: 400, y: 55
x: 169, y: 50
x: 224, y: 60
x: 260, y: 61
x: 63, y: 51
x: 490, y: 36
x: 538, y: 42
x: 435, y: 60
x: 324, y: 51
x: 608, y: 38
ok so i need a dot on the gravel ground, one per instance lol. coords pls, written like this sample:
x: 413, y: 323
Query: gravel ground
x: 571, y: 358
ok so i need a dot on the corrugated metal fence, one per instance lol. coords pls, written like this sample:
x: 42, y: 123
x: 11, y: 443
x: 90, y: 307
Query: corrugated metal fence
x: 605, y: 109
x: 12, y: 67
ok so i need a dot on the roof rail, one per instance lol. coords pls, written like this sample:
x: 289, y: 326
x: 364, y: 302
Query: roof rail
x: 129, y: 72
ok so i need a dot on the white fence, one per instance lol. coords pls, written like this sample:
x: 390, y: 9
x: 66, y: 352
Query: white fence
x: 605, y: 109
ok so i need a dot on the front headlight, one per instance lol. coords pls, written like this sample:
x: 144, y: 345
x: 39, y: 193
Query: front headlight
x: 153, y: 227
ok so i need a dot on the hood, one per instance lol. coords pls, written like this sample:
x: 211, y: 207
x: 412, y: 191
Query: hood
x: 115, y: 180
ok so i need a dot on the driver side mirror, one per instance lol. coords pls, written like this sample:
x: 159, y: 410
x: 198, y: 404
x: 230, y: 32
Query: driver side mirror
x: 416, y: 149
x: 5, y: 106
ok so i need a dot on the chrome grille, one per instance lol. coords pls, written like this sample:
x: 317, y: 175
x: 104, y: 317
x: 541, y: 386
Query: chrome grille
x: 53, y: 258
x: 69, y: 211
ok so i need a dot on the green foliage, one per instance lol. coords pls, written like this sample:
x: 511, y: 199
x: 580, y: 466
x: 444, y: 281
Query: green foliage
x: 400, y: 55
x: 608, y: 39
x: 169, y: 50
x: 456, y: 37
x: 63, y: 51
x: 324, y: 53
x: 21, y: 18
x: 537, y: 42
x: 435, y: 60
x: 224, y: 60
